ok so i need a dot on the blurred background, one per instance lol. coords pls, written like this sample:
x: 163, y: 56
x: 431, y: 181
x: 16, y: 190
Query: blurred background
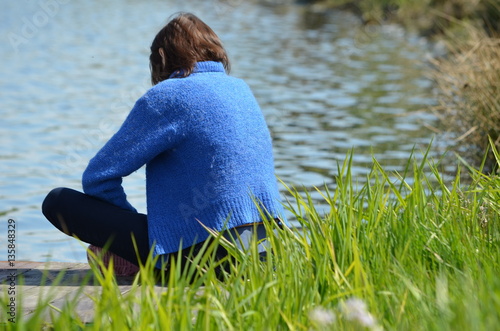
x: 327, y: 83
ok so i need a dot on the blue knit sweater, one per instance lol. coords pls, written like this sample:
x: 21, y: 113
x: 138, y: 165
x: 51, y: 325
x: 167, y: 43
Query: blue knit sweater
x: 208, y: 157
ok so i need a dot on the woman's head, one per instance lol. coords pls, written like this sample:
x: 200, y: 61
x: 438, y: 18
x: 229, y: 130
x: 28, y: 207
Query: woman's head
x: 184, y: 41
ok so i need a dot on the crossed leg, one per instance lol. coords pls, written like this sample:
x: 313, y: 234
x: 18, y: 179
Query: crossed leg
x: 98, y: 223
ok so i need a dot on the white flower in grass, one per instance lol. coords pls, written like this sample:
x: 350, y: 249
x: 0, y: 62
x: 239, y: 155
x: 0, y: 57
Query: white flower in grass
x: 322, y: 316
x: 355, y: 309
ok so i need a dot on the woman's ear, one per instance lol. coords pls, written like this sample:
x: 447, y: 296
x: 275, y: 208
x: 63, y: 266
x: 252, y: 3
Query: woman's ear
x: 162, y: 54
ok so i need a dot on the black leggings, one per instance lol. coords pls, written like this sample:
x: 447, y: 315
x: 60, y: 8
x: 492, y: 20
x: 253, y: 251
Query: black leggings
x: 98, y: 223
x: 104, y: 225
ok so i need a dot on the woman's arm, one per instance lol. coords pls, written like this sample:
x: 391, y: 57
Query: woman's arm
x: 144, y: 134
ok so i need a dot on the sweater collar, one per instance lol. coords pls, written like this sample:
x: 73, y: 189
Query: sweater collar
x: 208, y: 66
x: 205, y: 66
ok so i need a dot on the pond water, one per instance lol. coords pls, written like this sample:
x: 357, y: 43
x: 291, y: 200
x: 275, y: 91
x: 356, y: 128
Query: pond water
x: 71, y: 70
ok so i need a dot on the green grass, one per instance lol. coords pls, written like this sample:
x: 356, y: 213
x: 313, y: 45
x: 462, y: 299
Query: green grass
x: 399, y: 251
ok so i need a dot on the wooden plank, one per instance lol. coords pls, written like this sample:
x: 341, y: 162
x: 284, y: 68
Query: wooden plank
x: 31, y: 297
x: 6, y: 270
x: 45, y: 274
x: 56, y: 298
x: 55, y: 284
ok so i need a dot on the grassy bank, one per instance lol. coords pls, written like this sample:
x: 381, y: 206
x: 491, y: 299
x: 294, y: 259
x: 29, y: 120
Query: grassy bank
x: 401, y: 252
x: 429, y: 17
x: 469, y: 83
x: 469, y: 77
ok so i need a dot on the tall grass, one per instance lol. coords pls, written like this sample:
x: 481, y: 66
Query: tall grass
x: 402, y: 251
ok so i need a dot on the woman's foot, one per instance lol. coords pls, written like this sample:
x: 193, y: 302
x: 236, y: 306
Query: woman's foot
x: 121, y: 266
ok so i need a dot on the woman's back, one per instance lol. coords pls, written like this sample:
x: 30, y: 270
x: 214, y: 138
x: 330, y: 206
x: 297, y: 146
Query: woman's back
x: 221, y: 162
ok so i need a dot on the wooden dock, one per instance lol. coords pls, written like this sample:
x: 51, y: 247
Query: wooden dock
x: 57, y: 281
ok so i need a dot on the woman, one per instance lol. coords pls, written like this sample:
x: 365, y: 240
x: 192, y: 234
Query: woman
x: 207, y: 151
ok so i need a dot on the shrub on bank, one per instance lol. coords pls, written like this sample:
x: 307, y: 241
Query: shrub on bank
x: 429, y: 16
x: 469, y: 83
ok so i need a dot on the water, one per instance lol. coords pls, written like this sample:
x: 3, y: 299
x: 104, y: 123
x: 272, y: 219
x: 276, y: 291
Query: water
x: 72, y: 70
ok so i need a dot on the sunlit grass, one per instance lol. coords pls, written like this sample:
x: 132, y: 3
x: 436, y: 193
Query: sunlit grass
x: 390, y: 253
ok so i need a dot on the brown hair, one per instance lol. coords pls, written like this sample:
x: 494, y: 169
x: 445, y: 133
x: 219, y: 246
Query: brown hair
x: 185, y: 40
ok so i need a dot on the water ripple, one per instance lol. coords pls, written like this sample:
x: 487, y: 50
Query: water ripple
x: 326, y: 85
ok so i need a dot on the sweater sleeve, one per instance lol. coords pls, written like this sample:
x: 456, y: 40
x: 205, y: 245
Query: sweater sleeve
x: 144, y: 134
